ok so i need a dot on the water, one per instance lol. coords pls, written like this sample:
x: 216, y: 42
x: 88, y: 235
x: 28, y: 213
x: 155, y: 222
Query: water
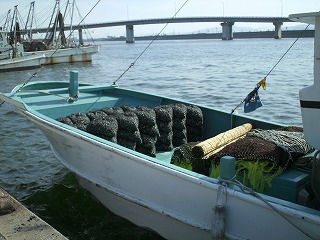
x: 211, y: 72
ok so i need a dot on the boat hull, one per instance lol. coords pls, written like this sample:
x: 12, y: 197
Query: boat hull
x: 174, y: 203
x: 22, y: 63
x: 69, y: 55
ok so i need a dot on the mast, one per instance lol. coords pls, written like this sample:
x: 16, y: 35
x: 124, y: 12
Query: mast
x: 51, y: 31
x: 72, y: 9
x: 6, y: 23
x: 65, y: 14
x: 14, y: 35
x: 28, y: 27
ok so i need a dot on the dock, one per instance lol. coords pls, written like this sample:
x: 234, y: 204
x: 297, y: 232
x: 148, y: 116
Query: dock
x: 19, y: 223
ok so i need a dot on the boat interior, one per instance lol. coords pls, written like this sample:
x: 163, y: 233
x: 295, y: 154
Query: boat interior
x: 298, y: 182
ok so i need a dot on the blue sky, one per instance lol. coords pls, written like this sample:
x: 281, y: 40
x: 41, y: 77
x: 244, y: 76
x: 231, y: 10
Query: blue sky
x: 114, y: 10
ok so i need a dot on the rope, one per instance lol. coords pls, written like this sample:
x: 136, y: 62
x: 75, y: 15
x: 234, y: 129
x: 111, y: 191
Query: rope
x: 315, y: 166
x: 287, y: 51
x: 32, y: 76
x: 264, y: 79
x: 78, y: 24
x: 68, y: 98
x: 132, y: 64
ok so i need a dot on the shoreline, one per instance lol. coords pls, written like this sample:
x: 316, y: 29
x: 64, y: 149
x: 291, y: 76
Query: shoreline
x: 236, y: 35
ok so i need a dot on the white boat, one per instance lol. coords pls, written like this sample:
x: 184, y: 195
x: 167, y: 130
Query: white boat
x: 53, y: 47
x: 151, y: 191
x: 13, y: 57
x: 56, y: 46
x: 22, y: 63
x: 68, y: 54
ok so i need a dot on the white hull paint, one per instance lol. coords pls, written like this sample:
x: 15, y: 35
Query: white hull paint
x: 175, y: 204
x: 22, y: 63
x: 69, y: 55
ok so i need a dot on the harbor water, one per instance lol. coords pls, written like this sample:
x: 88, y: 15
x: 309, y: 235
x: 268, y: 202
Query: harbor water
x: 211, y: 72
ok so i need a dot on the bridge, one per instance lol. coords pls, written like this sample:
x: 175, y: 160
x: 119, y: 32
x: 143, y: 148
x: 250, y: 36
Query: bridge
x: 226, y: 24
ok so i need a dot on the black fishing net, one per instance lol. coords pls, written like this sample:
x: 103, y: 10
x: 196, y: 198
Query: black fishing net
x: 112, y: 111
x: 129, y: 135
x: 147, y: 151
x: 128, y: 129
x: 179, y: 110
x: 164, y: 113
x: 164, y: 141
x: 128, y: 121
x: 182, y: 155
x: 164, y: 127
x: 96, y: 114
x: 253, y: 148
x: 79, y: 118
x: 194, y: 124
x: 103, y: 127
x: 146, y: 115
x: 148, y: 141
x: 179, y: 124
x: 194, y: 115
x: 128, y: 108
x: 66, y: 120
x: 149, y: 129
x: 281, y: 147
x: 127, y: 143
x: 143, y: 129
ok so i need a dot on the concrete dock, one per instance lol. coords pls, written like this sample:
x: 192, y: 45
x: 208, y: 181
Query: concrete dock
x: 18, y: 223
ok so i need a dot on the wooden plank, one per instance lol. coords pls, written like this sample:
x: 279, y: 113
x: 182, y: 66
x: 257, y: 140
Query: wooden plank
x: 17, y: 222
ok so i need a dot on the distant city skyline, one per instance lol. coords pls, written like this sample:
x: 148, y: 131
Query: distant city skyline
x: 116, y: 10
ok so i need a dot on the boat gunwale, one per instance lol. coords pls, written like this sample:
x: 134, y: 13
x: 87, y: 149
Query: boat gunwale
x: 287, y: 207
x: 152, y: 162
x: 87, y: 87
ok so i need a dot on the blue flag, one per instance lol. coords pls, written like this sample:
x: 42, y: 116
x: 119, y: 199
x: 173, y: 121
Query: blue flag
x: 252, y: 101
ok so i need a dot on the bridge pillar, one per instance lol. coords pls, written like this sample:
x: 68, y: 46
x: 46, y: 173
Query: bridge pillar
x: 277, y: 30
x: 80, y: 36
x: 227, y: 33
x: 129, y: 34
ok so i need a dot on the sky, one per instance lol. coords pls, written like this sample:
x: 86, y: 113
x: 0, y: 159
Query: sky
x: 117, y: 10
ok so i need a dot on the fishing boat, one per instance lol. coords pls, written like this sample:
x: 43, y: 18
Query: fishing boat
x: 170, y: 165
x: 22, y: 63
x: 56, y: 46
x: 12, y: 55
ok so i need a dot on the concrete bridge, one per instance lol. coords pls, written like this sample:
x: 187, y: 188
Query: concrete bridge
x: 226, y: 24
